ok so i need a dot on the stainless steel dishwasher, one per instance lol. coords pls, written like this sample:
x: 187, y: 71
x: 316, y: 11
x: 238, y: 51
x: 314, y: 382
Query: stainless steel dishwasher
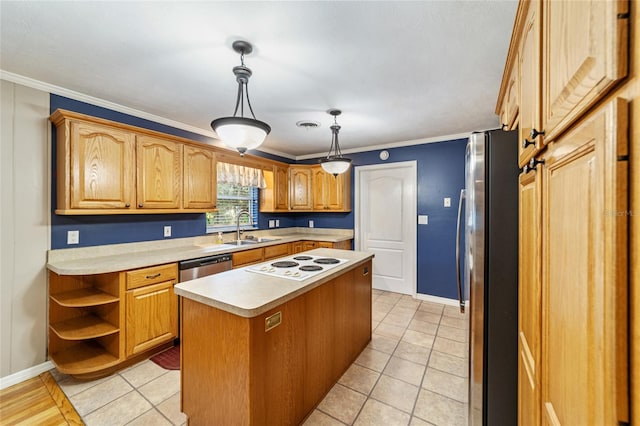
x: 203, y: 266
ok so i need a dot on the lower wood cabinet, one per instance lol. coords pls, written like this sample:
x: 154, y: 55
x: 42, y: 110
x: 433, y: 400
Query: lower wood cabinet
x: 152, y: 314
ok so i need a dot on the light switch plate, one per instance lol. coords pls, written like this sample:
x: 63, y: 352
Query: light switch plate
x: 447, y: 202
x: 310, y: 224
x: 167, y: 231
x: 73, y: 237
x: 272, y: 223
x: 423, y: 219
x: 277, y: 223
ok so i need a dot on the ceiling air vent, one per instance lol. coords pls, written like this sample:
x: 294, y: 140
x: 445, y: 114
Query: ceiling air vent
x: 308, y: 124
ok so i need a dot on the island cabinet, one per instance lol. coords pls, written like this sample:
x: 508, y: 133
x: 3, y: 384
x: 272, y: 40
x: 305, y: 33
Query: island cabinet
x: 274, y: 368
x: 105, y: 167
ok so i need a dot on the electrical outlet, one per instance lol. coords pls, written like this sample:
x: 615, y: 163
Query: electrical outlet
x: 277, y: 223
x: 167, y: 231
x: 73, y: 237
x: 310, y: 224
x: 447, y: 202
x: 423, y: 219
x: 272, y: 223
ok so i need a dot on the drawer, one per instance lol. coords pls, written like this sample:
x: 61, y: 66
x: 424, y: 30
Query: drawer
x: 247, y: 257
x: 276, y: 251
x: 152, y: 275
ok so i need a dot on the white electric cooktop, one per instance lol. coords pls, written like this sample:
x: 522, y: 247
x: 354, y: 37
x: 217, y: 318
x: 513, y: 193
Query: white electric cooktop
x: 298, y: 267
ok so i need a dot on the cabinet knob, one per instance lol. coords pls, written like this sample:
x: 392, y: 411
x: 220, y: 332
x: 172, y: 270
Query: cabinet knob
x: 526, y: 143
x: 504, y: 126
x: 127, y: 205
x: 534, y: 133
x: 533, y: 163
x: 140, y: 205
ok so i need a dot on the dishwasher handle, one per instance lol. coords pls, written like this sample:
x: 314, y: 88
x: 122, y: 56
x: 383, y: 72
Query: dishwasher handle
x: 203, y: 261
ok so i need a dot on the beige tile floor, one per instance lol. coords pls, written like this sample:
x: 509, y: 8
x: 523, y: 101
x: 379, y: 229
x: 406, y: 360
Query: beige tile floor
x: 414, y: 372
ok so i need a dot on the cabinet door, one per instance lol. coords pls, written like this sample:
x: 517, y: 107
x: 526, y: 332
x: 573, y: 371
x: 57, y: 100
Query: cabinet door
x: 247, y: 257
x: 530, y: 85
x: 159, y: 173
x: 152, y: 316
x: 319, y: 186
x: 328, y: 190
x: 281, y: 186
x: 584, y: 263
x: 362, y: 308
x: 200, y: 178
x: 585, y: 54
x: 102, y: 167
x: 511, y: 103
x: 309, y: 245
x: 529, y: 299
x: 301, y: 197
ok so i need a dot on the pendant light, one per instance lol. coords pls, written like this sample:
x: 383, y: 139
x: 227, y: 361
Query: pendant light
x: 336, y: 163
x: 242, y: 133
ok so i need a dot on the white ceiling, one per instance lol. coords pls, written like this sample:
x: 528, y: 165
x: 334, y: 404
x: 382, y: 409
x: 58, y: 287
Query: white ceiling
x: 399, y: 70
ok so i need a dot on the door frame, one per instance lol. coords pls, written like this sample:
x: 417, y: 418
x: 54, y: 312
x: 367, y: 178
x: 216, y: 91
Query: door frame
x: 411, y: 215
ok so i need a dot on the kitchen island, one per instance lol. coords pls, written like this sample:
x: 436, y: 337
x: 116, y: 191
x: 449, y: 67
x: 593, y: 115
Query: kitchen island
x: 258, y: 349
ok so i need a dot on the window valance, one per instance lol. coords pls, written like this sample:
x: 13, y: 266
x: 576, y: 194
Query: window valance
x: 240, y: 175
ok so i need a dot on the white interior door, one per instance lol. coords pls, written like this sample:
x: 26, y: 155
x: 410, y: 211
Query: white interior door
x: 385, y: 222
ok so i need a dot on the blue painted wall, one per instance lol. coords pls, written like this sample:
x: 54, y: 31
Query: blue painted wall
x: 440, y: 174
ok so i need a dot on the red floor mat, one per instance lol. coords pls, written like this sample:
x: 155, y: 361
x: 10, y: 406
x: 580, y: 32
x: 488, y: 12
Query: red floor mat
x: 169, y: 359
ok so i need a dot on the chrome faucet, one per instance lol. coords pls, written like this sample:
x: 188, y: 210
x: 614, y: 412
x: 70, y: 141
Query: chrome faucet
x: 240, y: 213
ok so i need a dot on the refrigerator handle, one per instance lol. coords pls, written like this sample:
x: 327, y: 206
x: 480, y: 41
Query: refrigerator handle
x: 458, y: 228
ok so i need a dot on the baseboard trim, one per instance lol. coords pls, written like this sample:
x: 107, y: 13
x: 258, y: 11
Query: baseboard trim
x: 26, y: 374
x: 438, y: 299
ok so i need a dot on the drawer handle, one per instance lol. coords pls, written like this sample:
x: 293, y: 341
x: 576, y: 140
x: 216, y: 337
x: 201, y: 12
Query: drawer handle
x: 534, y: 133
x: 150, y: 277
x: 365, y: 271
x: 526, y: 143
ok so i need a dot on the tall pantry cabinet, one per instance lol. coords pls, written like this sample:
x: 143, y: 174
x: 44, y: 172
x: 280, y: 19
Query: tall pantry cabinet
x: 576, y: 68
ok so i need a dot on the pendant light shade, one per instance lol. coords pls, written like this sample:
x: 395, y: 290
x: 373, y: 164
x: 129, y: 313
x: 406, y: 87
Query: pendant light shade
x: 335, y: 163
x: 241, y: 133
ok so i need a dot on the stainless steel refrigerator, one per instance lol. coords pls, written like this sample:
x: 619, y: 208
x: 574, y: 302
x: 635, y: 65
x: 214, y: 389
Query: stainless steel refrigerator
x: 487, y: 250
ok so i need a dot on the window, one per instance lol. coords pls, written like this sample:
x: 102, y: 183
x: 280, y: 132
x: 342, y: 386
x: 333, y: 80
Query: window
x: 231, y: 199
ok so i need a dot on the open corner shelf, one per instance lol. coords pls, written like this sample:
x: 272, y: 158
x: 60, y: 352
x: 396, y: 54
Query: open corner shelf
x: 83, y: 297
x: 83, y: 358
x: 83, y: 327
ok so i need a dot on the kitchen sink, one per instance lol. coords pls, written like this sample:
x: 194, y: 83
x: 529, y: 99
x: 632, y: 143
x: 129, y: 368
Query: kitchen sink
x: 242, y: 242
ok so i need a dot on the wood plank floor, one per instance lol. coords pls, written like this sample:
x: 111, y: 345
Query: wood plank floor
x: 38, y: 401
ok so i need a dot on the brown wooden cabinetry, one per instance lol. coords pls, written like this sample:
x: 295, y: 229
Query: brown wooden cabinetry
x: 584, y: 282
x: 275, y: 197
x: 247, y: 257
x: 96, y: 166
x: 200, y: 178
x: 105, y: 167
x: 86, y: 322
x: 276, y: 367
x: 529, y: 326
x: 331, y: 192
x: 278, y: 250
x: 300, y: 184
x: 585, y: 54
x: 159, y: 173
x: 575, y: 91
x: 151, y: 307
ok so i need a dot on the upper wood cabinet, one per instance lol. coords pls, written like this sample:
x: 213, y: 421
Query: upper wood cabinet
x: 509, y: 101
x: 110, y: 168
x: 331, y: 192
x: 275, y: 197
x: 159, y: 173
x: 585, y: 54
x: 529, y: 63
x: 300, y: 184
x: 200, y: 178
x: 96, y: 167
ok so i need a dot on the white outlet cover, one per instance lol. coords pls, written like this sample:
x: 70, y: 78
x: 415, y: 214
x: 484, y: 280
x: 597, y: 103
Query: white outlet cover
x: 167, y: 231
x: 447, y: 202
x: 423, y: 219
x: 272, y: 223
x: 310, y: 224
x: 277, y: 223
x: 73, y: 237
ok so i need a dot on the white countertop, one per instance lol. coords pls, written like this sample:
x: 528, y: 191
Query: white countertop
x: 248, y: 294
x: 122, y: 257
